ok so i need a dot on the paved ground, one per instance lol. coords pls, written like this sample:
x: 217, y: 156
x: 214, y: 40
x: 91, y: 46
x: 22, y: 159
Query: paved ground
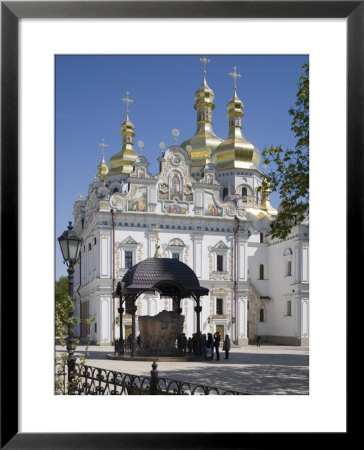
x: 269, y: 369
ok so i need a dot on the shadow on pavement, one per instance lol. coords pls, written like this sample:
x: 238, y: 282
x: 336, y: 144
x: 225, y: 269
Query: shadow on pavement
x: 255, y: 380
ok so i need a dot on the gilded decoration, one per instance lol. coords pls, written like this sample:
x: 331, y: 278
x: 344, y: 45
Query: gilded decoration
x: 140, y: 251
x: 187, y: 253
x: 104, y: 205
x: 117, y: 252
x: 210, y: 261
x: 139, y: 306
x: 176, y: 159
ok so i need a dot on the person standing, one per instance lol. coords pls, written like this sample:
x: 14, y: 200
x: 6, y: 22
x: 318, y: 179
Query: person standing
x: 226, y: 346
x: 217, y: 345
x: 210, y: 346
x: 189, y: 345
x: 203, y: 346
x: 184, y: 343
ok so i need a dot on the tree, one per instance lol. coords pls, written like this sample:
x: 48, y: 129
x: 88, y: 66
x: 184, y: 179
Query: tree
x: 291, y: 176
x: 62, y: 308
x: 64, y: 324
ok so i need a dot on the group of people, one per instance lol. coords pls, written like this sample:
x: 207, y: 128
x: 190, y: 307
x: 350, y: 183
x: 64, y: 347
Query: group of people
x: 207, y: 346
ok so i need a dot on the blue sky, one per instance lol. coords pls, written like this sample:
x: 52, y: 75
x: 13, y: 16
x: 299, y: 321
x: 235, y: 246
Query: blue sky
x: 88, y: 107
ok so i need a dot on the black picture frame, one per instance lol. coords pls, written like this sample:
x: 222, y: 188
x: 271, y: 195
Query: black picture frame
x: 11, y: 12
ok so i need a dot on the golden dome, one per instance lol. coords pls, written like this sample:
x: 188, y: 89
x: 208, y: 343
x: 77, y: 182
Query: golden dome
x: 122, y: 162
x: 235, y: 152
x: 102, y: 169
x: 204, y: 141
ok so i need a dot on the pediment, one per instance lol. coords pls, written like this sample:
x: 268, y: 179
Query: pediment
x: 129, y: 240
x: 221, y: 246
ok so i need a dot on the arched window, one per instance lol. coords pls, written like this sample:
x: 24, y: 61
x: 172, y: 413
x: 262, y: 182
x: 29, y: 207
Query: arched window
x: 244, y: 191
x: 261, y: 315
x: 115, y: 190
x: 261, y: 236
x: 225, y: 192
x: 261, y: 272
x: 287, y: 254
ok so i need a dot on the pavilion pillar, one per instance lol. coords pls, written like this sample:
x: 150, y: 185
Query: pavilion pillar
x: 133, y: 330
x: 198, y: 310
x: 179, y: 309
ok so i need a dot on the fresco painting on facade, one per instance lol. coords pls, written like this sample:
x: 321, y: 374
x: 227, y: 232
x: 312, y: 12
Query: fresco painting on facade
x: 139, y: 203
x: 210, y: 207
x: 175, y: 185
x: 176, y: 207
x: 195, y: 210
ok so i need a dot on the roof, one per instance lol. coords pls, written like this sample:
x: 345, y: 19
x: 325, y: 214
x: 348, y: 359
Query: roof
x: 165, y: 275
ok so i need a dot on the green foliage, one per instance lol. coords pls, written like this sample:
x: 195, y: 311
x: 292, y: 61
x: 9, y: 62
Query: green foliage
x: 291, y: 175
x: 63, y: 308
x: 64, y: 325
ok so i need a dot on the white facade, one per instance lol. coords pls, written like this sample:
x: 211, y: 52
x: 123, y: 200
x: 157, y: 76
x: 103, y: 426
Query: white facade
x: 210, y: 216
x: 270, y: 296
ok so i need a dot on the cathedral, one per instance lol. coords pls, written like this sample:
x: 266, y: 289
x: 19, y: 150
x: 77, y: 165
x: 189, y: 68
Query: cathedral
x: 209, y: 207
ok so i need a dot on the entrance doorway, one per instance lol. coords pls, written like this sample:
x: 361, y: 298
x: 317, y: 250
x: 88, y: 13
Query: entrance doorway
x: 221, y: 330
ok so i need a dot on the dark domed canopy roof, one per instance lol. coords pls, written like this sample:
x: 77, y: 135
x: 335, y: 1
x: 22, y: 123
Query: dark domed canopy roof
x: 170, y: 277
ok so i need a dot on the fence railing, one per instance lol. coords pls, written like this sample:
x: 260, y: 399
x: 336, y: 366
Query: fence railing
x: 96, y: 381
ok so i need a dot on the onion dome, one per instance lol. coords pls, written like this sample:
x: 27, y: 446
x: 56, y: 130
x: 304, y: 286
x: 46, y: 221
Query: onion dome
x: 235, y: 152
x: 204, y: 141
x: 122, y: 162
x: 102, y: 168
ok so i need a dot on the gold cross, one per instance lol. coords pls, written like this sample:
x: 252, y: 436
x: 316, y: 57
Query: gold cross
x: 156, y: 229
x: 204, y: 61
x: 127, y: 100
x: 235, y: 75
x: 157, y: 246
x: 103, y: 146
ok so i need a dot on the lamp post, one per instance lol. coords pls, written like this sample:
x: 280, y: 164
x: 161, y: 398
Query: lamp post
x: 70, y: 244
x: 119, y: 343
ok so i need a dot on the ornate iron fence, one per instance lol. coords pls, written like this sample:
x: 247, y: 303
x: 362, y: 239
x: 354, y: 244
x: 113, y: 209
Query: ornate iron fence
x: 95, y: 381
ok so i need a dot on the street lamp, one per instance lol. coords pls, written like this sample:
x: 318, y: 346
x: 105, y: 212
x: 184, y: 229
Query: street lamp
x: 119, y: 343
x: 70, y: 244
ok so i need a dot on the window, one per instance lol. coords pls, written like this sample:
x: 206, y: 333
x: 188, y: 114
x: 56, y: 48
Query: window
x: 220, y: 263
x: 287, y: 255
x: 289, y: 308
x: 94, y: 241
x: 261, y: 236
x: 128, y: 259
x: 115, y: 190
x: 261, y: 272
x: 261, y: 315
x: 225, y: 192
x: 244, y: 191
x: 89, y: 246
x: 175, y: 256
x: 219, y: 306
